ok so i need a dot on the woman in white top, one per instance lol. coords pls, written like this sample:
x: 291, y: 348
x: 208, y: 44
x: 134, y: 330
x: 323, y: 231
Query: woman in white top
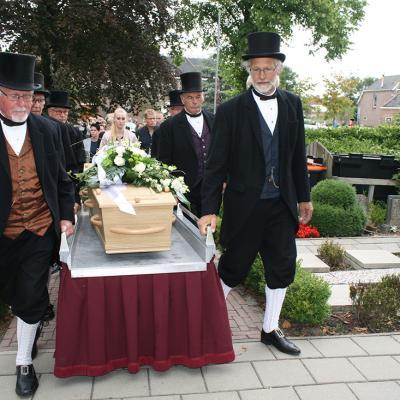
x: 118, y: 131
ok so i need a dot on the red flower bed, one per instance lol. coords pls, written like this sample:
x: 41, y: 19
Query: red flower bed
x: 307, y: 231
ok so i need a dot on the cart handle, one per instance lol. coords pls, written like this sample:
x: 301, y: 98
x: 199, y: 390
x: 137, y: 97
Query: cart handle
x: 128, y: 231
x: 96, y: 220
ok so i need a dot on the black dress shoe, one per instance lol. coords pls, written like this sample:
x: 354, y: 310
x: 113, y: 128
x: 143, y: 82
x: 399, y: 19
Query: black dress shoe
x: 278, y: 339
x: 34, y: 346
x: 27, y: 382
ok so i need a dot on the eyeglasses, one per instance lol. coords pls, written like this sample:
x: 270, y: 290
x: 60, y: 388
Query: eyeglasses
x: 263, y: 70
x: 60, y: 111
x: 42, y: 101
x: 15, y: 97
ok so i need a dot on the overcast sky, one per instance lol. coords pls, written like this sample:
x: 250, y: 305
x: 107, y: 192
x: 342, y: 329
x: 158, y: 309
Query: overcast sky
x: 375, y: 49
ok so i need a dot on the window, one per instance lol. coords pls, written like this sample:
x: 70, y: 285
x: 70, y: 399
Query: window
x: 374, y: 101
x: 388, y: 119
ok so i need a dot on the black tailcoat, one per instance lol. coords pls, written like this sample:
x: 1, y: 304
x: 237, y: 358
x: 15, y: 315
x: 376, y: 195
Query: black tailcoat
x: 57, y: 187
x: 236, y: 155
x: 176, y: 145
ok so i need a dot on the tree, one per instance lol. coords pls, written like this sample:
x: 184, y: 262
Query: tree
x: 336, y: 99
x: 331, y: 23
x: 104, y: 52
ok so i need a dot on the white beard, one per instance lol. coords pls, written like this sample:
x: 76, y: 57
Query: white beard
x: 17, y: 117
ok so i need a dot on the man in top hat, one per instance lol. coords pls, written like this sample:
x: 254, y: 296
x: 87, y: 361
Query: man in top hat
x: 175, y: 106
x: 258, y: 144
x: 36, y: 205
x: 186, y: 139
x: 39, y: 94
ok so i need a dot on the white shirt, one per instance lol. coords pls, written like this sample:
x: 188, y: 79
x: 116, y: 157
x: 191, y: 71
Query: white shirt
x: 196, y: 123
x: 15, y: 136
x: 269, y: 111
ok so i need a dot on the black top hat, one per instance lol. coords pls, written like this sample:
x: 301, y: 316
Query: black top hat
x: 264, y: 44
x: 58, y: 98
x: 39, y: 82
x: 16, y: 71
x: 191, y: 82
x: 174, y: 98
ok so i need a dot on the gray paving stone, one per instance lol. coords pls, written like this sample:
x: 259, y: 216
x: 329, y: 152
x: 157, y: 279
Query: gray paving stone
x: 44, y: 363
x: 121, y: 383
x: 7, y: 364
x: 77, y: 388
x: 282, y: 373
x: 378, y: 344
x: 396, y: 337
x: 212, y: 396
x: 373, y: 258
x: 302, y: 250
x: 312, y: 263
x: 7, y: 388
x: 376, y: 390
x: 377, y: 367
x: 340, y: 295
x: 307, y: 351
x: 230, y: 377
x: 154, y: 398
x: 252, y: 351
x: 177, y: 380
x: 332, y: 370
x: 269, y: 394
x: 333, y: 391
x: 338, y: 347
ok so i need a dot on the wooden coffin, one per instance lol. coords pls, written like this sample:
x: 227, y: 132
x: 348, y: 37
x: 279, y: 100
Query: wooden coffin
x: 148, y: 230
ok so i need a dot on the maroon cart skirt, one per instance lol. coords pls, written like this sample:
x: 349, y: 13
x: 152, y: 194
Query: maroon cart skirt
x: 161, y: 320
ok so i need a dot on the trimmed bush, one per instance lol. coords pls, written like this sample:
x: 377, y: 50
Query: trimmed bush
x: 306, y: 298
x: 335, y: 193
x: 336, y: 221
x: 377, y: 305
x: 333, y: 255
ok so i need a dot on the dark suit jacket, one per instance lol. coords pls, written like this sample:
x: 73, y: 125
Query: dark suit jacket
x: 57, y: 187
x: 236, y: 154
x: 176, y: 144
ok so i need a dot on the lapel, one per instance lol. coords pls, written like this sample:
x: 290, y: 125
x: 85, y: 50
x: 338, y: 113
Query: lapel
x: 184, y: 126
x: 37, y: 146
x: 4, y: 162
x: 254, y: 117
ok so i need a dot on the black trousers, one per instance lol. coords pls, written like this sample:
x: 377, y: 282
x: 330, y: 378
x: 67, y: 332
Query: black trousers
x: 194, y: 197
x: 24, y: 271
x: 270, y: 231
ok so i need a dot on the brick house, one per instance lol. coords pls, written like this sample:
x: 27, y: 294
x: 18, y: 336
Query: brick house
x: 379, y: 102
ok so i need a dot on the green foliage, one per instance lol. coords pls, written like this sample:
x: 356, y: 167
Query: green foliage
x: 332, y: 254
x: 377, y: 305
x: 331, y: 24
x: 306, y: 299
x: 337, y: 221
x: 335, y: 193
x: 377, y: 212
x: 384, y: 139
x: 103, y: 52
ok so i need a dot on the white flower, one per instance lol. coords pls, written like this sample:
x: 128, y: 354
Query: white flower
x: 139, y: 168
x: 176, y: 185
x: 120, y: 161
x: 165, y: 182
x: 159, y: 188
x: 120, y: 150
x: 171, y: 168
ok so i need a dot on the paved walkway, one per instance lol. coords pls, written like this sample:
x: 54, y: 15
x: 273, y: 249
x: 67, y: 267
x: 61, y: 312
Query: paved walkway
x: 347, y: 367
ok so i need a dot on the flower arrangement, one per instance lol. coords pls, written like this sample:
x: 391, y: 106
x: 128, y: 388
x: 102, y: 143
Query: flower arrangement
x: 307, y: 231
x: 125, y: 162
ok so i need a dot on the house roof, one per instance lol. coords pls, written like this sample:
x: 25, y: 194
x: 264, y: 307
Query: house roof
x: 389, y: 83
x: 191, y: 64
x: 393, y: 102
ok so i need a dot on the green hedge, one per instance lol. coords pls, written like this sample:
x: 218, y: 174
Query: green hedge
x: 384, y: 139
x: 306, y: 298
x: 335, y: 193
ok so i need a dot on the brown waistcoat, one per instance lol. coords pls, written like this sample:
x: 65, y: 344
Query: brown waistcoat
x: 29, y: 210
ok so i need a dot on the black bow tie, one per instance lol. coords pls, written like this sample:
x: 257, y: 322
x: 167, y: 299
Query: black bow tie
x: 264, y: 97
x: 193, y: 115
x: 8, y: 122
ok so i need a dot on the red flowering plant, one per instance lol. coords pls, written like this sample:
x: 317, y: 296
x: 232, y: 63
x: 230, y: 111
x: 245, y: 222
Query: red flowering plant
x: 307, y: 231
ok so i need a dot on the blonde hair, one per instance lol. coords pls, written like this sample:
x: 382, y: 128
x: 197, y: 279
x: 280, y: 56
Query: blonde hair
x: 149, y: 112
x: 113, y: 128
